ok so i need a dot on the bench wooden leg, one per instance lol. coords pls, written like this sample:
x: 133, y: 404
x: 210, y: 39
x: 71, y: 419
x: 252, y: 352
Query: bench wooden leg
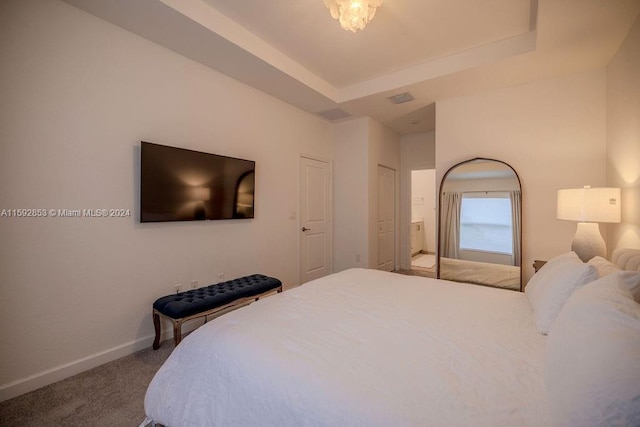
x: 177, y: 331
x: 156, y: 325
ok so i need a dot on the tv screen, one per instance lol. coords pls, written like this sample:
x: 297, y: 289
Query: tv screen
x: 177, y: 184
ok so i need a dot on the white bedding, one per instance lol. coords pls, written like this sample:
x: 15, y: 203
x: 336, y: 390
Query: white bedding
x: 502, y: 276
x: 360, y: 348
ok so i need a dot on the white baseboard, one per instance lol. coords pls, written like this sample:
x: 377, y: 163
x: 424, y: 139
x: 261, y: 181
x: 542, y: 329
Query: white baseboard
x: 50, y: 376
x: 59, y: 373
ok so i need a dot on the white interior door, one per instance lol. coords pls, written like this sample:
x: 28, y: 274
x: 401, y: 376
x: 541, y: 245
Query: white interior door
x: 386, y: 218
x: 315, y: 219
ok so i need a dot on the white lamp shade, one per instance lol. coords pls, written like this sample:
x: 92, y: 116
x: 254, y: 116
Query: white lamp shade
x: 200, y: 193
x: 589, y: 204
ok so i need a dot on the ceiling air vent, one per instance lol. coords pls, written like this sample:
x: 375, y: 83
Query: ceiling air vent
x: 334, y: 114
x: 401, y: 98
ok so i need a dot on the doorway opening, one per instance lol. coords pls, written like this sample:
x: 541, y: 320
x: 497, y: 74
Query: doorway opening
x: 423, y: 222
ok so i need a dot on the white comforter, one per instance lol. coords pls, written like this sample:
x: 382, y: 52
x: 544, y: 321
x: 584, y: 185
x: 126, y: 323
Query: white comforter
x: 360, y: 348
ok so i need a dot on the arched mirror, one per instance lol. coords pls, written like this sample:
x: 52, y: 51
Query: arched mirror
x: 244, y: 195
x: 480, y: 224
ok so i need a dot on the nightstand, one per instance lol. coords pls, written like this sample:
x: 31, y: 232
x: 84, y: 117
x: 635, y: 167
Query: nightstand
x: 537, y: 264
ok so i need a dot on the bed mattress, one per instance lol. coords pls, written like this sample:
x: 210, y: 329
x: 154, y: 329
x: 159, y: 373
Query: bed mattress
x: 360, y: 348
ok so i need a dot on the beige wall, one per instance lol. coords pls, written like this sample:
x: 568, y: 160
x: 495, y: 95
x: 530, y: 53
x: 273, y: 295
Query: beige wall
x: 360, y: 145
x: 350, y: 195
x: 551, y: 132
x: 623, y: 139
x: 78, y: 95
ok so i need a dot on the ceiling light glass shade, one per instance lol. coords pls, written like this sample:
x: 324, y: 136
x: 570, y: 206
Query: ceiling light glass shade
x: 353, y: 15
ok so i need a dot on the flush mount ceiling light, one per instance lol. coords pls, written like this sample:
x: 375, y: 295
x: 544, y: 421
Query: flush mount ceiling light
x: 353, y: 15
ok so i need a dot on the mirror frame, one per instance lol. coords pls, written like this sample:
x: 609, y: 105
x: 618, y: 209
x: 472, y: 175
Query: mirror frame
x: 440, y: 214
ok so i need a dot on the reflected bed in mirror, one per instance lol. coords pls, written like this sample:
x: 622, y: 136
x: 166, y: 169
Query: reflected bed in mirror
x: 479, y: 237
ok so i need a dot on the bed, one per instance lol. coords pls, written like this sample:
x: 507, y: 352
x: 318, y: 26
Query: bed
x: 365, y: 348
x: 481, y: 273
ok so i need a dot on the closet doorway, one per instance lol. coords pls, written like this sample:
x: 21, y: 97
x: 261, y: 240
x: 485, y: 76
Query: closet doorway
x: 423, y: 221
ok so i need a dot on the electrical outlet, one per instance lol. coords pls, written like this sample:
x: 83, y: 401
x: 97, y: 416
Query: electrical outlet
x: 220, y: 277
x: 178, y: 288
x: 194, y: 284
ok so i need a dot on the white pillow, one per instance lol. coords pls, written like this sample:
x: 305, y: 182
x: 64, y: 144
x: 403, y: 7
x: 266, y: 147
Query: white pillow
x: 552, y: 286
x: 603, y: 266
x: 630, y: 278
x: 593, y: 357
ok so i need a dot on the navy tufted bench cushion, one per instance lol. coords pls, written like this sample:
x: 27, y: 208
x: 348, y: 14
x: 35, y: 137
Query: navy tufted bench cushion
x: 208, y: 300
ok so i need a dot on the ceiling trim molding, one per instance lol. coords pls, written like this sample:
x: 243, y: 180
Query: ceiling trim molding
x: 488, y: 53
x: 214, y: 21
x: 205, y: 35
x: 161, y: 23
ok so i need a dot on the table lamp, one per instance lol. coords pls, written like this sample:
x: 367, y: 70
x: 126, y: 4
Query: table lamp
x: 589, y: 206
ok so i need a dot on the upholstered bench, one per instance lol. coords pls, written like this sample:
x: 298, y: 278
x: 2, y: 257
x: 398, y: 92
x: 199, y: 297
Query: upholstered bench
x: 208, y: 300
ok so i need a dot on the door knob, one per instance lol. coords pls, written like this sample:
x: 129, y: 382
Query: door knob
x: 305, y: 229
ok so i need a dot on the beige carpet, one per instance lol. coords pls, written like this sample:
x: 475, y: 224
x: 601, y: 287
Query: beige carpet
x: 109, y: 395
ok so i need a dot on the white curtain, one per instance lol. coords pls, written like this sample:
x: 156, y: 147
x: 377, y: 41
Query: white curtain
x: 515, y: 220
x: 450, y: 227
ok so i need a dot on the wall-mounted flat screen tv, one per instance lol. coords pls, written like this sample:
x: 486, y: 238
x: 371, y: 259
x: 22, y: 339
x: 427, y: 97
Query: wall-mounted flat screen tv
x: 177, y: 184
